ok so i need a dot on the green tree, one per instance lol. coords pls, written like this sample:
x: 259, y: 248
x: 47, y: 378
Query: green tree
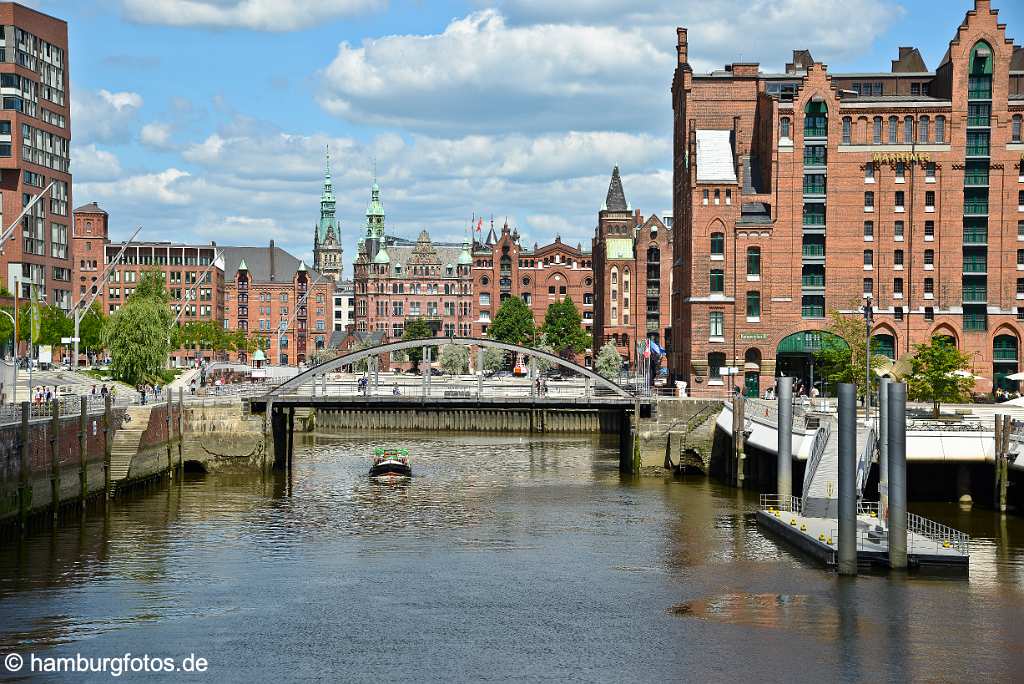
x: 416, y: 329
x: 608, y: 362
x: 137, y: 334
x: 563, y: 329
x: 494, y: 359
x: 938, y: 374
x: 542, y: 363
x: 90, y: 329
x: 843, y: 354
x: 454, y: 359
x: 513, y: 323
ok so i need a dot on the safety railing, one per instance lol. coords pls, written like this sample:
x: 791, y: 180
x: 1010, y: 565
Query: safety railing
x: 69, y: 406
x: 866, y: 456
x: 818, y: 445
x: 942, y: 536
x: 774, y: 502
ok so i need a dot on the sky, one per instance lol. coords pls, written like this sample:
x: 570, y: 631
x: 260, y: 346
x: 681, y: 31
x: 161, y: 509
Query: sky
x: 208, y: 120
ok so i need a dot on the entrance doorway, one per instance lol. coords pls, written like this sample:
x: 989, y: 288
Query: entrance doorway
x: 795, y: 358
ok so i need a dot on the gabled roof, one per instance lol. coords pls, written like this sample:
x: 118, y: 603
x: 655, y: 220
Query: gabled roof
x: 909, y: 61
x: 257, y: 261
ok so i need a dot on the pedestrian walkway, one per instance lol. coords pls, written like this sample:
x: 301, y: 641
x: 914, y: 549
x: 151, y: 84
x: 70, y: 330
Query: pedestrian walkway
x: 127, y: 440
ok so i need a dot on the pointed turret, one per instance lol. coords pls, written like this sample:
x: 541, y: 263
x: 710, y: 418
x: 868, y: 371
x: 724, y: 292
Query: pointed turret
x: 465, y: 258
x: 492, y: 239
x: 327, y: 251
x: 616, y: 198
x: 242, y: 266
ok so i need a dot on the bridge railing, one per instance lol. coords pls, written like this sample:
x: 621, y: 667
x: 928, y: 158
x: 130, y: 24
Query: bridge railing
x: 789, y: 504
x: 69, y: 406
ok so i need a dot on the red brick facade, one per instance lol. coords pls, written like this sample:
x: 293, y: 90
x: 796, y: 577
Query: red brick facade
x: 905, y: 186
x: 35, y: 135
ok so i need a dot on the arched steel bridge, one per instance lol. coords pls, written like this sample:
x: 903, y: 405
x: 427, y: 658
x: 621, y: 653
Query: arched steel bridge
x: 320, y: 374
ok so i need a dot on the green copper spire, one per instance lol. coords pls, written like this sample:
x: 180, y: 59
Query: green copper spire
x: 375, y: 214
x: 328, y: 222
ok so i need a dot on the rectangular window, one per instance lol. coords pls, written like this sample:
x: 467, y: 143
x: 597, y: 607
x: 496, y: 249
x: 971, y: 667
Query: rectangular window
x: 929, y: 313
x: 753, y: 304
x: 869, y: 201
x: 929, y: 230
x: 929, y: 172
x: 908, y: 130
x: 901, y: 172
x: 923, y: 127
x: 753, y: 261
x: 869, y: 287
x: 876, y: 133
x: 717, y: 281
x: 869, y: 230
x: 716, y: 324
x: 897, y: 286
x: 869, y: 173
x: 1020, y: 230
x: 929, y: 200
x: 869, y: 258
x: 897, y: 230
x: 929, y: 286
x: 847, y: 130
x: 899, y: 200
x: 915, y: 88
x: 897, y: 258
x: 897, y: 313
x: 940, y: 129
x: 704, y: 198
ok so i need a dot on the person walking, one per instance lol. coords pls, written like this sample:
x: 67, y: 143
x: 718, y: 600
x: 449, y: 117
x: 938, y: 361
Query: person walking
x: 104, y: 391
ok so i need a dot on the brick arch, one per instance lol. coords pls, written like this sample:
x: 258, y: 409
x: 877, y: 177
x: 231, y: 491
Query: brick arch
x: 945, y: 328
x: 551, y: 278
x: 714, y: 226
x: 1006, y: 328
x: 809, y: 326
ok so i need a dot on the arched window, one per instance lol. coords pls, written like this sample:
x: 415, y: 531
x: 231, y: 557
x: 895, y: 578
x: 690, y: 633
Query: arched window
x: 718, y: 245
x: 615, y: 296
x: 883, y: 344
x: 1004, y: 361
x: 625, y: 296
x: 923, y: 129
x: 876, y: 135
x: 847, y: 130
x: 1015, y: 128
x: 894, y: 130
x: 940, y: 129
x: 908, y: 130
x: 815, y: 120
x: 784, y: 132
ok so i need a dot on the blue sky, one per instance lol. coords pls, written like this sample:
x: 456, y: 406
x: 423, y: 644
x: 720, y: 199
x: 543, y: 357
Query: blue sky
x: 206, y: 119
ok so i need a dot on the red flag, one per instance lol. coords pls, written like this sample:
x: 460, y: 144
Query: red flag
x: 647, y: 349
x: 479, y: 225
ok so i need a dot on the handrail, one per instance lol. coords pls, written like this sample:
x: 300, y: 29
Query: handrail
x: 864, y: 464
x: 774, y: 502
x: 818, y: 445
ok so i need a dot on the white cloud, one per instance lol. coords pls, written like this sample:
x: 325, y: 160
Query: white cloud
x: 168, y: 187
x: 156, y: 134
x: 481, y: 74
x: 260, y: 15
x: 89, y: 163
x: 104, y: 116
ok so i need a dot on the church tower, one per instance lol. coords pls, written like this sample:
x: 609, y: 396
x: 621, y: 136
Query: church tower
x: 327, y: 252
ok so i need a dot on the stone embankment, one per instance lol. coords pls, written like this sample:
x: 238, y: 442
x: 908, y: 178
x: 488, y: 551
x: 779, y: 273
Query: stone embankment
x: 679, y: 435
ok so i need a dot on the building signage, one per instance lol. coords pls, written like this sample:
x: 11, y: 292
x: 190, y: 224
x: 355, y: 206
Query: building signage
x: 753, y: 336
x: 893, y: 157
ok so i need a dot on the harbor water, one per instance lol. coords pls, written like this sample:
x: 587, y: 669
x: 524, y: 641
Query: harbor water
x: 504, y: 557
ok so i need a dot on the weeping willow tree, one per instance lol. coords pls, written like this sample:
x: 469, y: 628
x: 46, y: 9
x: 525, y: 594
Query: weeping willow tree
x: 138, y: 333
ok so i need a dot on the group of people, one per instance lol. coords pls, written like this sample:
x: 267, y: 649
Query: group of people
x: 147, y: 390
x: 41, y: 394
x: 1006, y: 395
x: 799, y: 390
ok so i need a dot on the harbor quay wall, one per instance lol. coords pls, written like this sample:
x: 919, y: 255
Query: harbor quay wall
x: 529, y: 420
x: 54, y: 471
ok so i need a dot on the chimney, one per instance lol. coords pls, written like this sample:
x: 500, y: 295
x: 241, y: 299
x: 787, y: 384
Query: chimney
x: 681, y: 45
x: 272, y: 274
x: 637, y: 218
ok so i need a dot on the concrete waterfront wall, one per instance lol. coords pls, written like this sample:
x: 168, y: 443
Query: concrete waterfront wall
x: 538, y: 420
x: 679, y: 433
x: 76, y: 476
x: 221, y: 430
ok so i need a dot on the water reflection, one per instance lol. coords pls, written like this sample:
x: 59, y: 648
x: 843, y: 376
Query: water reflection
x: 501, y: 557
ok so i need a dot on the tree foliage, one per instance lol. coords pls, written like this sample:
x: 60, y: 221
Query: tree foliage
x: 608, y: 362
x: 494, y: 359
x: 938, y: 374
x: 416, y: 329
x: 542, y: 363
x: 843, y: 354
x: 90, y: 329
x: 563, y: 329
x: 513, y: 324
x: 454, y: 359
x: 138, y: 333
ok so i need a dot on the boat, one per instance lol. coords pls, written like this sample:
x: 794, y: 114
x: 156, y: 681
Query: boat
x: 390, y: 463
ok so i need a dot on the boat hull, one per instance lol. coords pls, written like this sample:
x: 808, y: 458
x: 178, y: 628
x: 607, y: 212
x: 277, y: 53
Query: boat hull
x: 391, y: 469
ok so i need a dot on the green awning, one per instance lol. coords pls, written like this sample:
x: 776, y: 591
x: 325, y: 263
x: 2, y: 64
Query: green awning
x: 808, y: 342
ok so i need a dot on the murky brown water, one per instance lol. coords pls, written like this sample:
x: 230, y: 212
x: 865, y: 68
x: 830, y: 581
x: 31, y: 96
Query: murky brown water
x: 503, y: 558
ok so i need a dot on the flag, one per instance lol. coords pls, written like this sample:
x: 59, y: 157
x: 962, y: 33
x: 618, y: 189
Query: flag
x: 36, y: 314
x: 656, y: 348
x: 479, y: 225
x: 647, y: 349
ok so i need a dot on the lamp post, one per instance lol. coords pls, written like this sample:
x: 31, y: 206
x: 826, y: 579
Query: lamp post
x: 14, y: 351
x: 868, y: 319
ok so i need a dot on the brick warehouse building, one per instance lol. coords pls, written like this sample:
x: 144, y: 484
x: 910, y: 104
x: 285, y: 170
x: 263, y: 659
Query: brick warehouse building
x: 800, y: 193
x: 35, y: 135
x: 632, y: 275
x: 540, y: 276
x: 183, y: 267
x: 264, y: 288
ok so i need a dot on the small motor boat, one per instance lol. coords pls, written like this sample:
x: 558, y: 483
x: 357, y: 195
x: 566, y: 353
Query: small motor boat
x: 390, y: 463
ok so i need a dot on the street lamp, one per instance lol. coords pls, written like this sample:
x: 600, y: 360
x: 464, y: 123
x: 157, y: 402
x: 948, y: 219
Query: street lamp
x: 868, y: 319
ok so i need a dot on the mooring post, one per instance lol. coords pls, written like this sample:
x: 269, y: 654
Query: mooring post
x: 426, y: 370
x: 741, y: 455
x: 376, y: 374
x: 323, y: 384
x: 883, y: 447
x: 784, y: 478
x: 24, y: 488
x: 108, y: 433
x: 169, y: 433
x: 83, y: 448
x: 269, y: 441
x: 55, y: 457
x: 1004, y: 462
x: 997, y: 458
x: 181, y: 430
x: 533, y: 377
x: 587, y: 382
x: 291, y: 435
x: 847, y: 479
x: 897, y: 517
